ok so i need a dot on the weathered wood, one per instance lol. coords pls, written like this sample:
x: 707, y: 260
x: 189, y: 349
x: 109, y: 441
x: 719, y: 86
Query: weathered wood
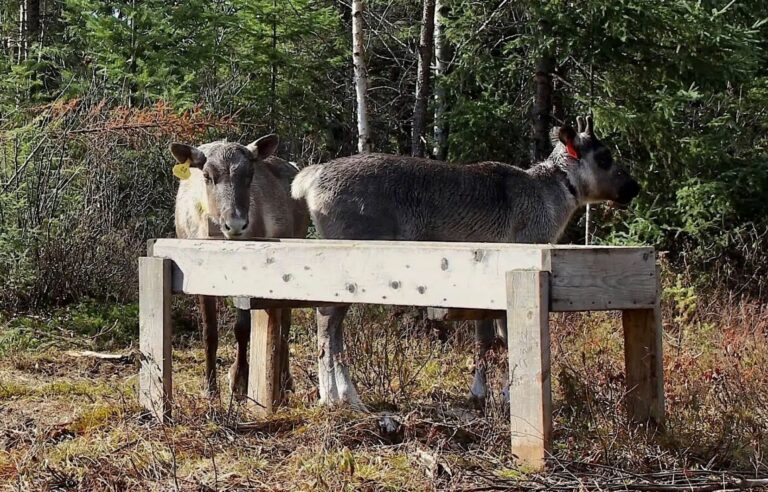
x: 448, y: 314
x: 409, y: 273
x: 264, y: 386
x: 380, y: 272
x: 529, y: 366
x: 155, y: 384
x: 643, y: 358
x: 259, y: 303
x: 117, y: 358
x: 597, y: 279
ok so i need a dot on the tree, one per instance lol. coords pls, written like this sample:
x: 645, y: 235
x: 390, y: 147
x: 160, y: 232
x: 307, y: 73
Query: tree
x: 440, y: 150
x: 422, y: 79
x: 542, y: 102
x: 361, y: 77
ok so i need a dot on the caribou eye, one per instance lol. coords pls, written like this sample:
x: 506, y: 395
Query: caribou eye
x: 207, y: 177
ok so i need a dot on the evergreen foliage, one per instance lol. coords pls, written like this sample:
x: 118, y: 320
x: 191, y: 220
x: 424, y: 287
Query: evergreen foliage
x: 679, y: 88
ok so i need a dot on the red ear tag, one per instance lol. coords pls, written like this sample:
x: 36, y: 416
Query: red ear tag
x: 572, y: 150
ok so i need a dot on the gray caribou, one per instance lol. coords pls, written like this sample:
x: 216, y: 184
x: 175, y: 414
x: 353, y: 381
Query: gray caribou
x: 387, y: 197
x: 245, y: 190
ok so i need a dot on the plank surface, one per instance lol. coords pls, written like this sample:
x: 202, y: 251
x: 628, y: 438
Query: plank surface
x: 379, y: 272
x: 598, y: 279
x: 264, y: 387
x: 155, y: 382
x: 452, y: 314
x: 530, y: 395
x: 644, y: 359
x: 259, y: 303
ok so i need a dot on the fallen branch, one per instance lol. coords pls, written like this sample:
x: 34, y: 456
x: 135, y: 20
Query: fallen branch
x: 117, y: 358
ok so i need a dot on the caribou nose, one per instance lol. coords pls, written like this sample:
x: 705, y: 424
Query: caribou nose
x: 234, y: 226
x: 628, y: 191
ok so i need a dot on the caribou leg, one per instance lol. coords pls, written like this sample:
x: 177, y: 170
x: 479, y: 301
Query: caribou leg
x: 335, y: 384
x: 485, y: 333
x: 285, y: 334
x: 238, y: 373
x: 207, y: 305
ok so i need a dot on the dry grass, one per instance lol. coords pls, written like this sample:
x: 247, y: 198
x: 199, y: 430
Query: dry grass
x: 68, y: 423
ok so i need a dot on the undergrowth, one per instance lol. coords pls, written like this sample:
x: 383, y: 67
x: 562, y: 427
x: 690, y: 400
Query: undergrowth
x: 74, y: 423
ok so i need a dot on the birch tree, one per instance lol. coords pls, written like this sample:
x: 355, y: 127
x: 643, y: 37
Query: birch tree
x: 542, y: 102
x: 422, y: 78
x: 440, y: 150
x: 361, y: 77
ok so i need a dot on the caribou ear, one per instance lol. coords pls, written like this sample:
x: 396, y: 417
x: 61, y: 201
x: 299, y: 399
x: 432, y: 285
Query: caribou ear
x: 567, y: 135
x: 580, y: 124
x: 265, y: 146
x: 590, y: 128
x: 183, y: 153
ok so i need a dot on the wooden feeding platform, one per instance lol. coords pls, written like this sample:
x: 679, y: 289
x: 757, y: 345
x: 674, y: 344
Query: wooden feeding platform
x: 484, y: 280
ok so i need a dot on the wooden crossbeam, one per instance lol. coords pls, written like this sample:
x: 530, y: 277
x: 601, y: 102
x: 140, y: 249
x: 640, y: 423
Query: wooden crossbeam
x: 456, y: 275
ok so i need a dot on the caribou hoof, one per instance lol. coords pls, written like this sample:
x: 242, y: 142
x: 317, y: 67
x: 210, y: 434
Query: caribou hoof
x: 478, y: 392
x: 336, y: 389
x: 211, y: 390
x: 238, y: 380
x: 505, y: 394
x: 352, y: 402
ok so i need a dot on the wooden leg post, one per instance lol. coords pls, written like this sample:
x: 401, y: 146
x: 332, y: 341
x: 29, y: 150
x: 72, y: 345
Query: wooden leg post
x: 264, y: 385
x: 530, y: 396
x: 155, y: 385
x: 643, y: 359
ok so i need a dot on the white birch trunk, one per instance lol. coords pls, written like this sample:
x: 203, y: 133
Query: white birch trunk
x: 361, y: 77
x: 440, y: 149
x: 422, y: 78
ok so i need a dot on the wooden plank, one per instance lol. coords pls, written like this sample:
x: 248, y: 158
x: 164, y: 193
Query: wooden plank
x: 451, y: 314
x: 425, y: 243
x: 264, y: 388
x: 378, y: 272
x: 597, y: 279
x: 644, y: 360
x: 530, y: 395
x: 259, y: 303
x: 155, y: 382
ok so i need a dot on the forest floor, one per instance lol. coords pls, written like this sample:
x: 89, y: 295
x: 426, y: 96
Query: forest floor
x: 73, y: 423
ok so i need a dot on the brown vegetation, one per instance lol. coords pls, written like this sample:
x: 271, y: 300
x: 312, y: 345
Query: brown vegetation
x: 73, y: 423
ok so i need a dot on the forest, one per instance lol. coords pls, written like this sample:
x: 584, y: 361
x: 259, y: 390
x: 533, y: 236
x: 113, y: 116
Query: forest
x: 93, y: 92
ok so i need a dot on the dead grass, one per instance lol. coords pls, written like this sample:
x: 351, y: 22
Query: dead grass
x: 73, y: 424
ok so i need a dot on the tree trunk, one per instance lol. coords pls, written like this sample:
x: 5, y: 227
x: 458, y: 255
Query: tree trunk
x: 422, y: 78
x: 361, y: 77
x: 21, y: 43
x: 440, y: 149
x: 29, y: 26
x: 273, y: 81
x: 542, y: 102
x: 33, y: 20
x: 542, y: 108
x: 559, y: 95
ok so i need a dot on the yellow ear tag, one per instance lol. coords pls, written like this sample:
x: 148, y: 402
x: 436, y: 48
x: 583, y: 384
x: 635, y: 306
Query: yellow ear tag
x: 182, y: 171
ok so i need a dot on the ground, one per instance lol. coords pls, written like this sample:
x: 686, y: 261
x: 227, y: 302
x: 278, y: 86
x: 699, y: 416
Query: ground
x: 73, y: 423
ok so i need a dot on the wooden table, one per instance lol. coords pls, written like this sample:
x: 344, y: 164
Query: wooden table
x: 525, y: 281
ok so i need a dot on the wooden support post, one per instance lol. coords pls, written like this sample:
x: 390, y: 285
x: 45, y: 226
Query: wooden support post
x: 530, y: 395
x: 643, y: 359
x: 155, y: 385
x: 264, y: 382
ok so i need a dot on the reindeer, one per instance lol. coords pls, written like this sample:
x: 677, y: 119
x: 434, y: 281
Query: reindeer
x: 245, y: 190
x: 387, y: 197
